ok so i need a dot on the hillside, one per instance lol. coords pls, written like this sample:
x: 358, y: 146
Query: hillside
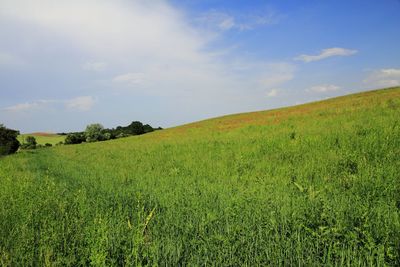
x: 310, y: 185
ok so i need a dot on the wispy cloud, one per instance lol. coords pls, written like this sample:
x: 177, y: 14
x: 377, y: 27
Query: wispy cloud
x: 226, y: 21
x: 132, y: 78
x: 81, y: 103
x: 277, y: 74
x: 384, y: 78
x: 28, y: 106
x: 326, y: 53
x: 272, y: 93
x: 21, y: 107
x: 323, y: 88
x: 94, y: 66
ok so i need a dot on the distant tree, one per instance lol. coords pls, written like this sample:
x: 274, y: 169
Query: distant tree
x: 122, y: 135
x: 136, y: 128
x: 48, y: 145
x: 94, y: 132
x: 107, y: 136
x: 147, y: 128
x: 74, y: 138
x: 8, y: 141
x: 30, y: 143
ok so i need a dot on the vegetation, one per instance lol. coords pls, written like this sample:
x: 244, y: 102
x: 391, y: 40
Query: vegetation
x: 311, y: 185
x: 8, y: 141
x: 96, y: 132
x: 135, y: 128
x: 43, y: 138
x: 75, y: 138
x: 30, y: 143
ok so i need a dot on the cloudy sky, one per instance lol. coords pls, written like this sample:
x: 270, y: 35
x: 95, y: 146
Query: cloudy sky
x: 67, y: 63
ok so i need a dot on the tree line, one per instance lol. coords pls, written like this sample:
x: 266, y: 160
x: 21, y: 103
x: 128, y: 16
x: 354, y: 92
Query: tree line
x: 93, y: 133
x: 96, y: 132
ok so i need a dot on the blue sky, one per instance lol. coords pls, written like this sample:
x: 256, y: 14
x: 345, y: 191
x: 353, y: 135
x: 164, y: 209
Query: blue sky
x: 65, y: 64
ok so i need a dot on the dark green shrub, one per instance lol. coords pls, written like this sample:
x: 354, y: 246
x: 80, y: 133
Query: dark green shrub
x: 8, y: 141
x: 74, y: 138
x: 30, y: 143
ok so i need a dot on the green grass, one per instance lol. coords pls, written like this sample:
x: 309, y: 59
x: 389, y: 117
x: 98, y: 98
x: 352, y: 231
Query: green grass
x: 311, y: 185
x: 43, y: 138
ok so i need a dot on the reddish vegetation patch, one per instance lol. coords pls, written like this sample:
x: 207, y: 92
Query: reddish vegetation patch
x: 326, y: 108
x: 331, y: 107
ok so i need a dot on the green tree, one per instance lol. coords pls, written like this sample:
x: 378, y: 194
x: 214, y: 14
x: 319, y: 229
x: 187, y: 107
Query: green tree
x: 8, y: 141
x: 147, y: 128
x: 94, y: 132
x: 75, y: 138
x: 30, y: 143
x: 136, y: 128
x: 107, y: 136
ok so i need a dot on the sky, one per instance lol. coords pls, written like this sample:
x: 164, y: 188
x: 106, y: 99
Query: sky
x: 67, y: 63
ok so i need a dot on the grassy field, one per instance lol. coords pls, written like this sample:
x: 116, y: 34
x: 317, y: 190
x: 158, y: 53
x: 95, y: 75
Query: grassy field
x: 43, y: 138
x: 311, y: 185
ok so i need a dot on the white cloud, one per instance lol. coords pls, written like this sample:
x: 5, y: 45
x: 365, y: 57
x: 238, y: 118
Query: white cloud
x: 323, y: 88
x: 81, y: 103
x: 133, y: 78
x: 326, y: 53
x: 384, y: 78
x: 111, y: 28
x: 272, y: 93
x: 94, y: 66
x: 29, y: 106
x: 227, y: 23
x: 148, y: 45
x: 21, y: 107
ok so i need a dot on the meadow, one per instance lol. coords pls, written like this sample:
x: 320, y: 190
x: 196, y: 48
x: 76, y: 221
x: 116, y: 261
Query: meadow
x: 43, y: 138
x: 311, y: 185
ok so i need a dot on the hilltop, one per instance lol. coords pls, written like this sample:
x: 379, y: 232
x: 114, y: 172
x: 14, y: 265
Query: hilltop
x: 309, y: 185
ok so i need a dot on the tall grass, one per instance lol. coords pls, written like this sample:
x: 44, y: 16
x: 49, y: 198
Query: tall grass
x: 306, y: 186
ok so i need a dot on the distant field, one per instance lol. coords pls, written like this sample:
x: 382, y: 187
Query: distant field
x: 311, y: 185
x: 43, y: 138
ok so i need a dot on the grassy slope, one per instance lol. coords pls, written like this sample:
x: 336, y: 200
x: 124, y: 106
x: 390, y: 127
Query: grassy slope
x: 316, y: 184
x: 43, y: 138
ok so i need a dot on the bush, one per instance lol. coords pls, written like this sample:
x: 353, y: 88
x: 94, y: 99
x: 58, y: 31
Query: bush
x: 107, y: 136
x: 122, y: 135
x: 30, y: 143
x: 8, y: 141
x: 147, y: 128
x: 94, y: 132
x: 136, y: 128
x: 75, y: 138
